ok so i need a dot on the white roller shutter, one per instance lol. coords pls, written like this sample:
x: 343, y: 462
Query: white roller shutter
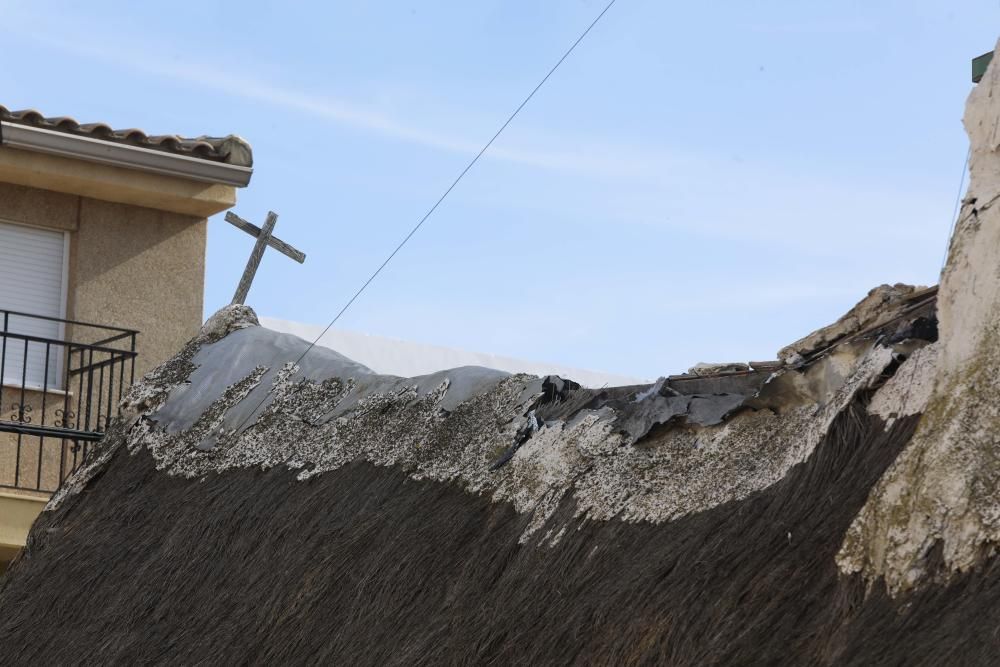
x: 32, y: 264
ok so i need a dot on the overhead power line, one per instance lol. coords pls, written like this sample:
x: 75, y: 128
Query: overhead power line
x: 957, y: 208
x: 440, y: 199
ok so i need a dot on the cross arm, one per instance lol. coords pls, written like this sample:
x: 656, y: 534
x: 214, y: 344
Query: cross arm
x: 254, y: 231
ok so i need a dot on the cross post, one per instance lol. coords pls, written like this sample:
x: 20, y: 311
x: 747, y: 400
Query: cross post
x: 264, y: 239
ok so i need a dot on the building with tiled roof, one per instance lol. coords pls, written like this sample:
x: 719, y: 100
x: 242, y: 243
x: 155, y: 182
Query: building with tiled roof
x: 102, y: 267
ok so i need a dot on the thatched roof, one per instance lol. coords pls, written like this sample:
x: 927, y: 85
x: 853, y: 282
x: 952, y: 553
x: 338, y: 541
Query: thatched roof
x: 472, y: 516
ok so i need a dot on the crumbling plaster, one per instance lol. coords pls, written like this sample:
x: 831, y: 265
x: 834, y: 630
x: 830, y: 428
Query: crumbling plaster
x: 943, y: 491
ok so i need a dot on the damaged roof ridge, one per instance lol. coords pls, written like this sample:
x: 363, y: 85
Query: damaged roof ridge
x: 926, y: 296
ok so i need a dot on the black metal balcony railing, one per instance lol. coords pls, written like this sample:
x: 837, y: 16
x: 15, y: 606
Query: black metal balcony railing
x: 61, y: 382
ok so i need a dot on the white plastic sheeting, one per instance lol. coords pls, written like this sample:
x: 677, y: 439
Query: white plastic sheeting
x: 408, y: 359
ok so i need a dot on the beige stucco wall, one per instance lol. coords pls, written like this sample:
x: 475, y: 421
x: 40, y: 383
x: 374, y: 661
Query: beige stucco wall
x: 34, y: 462
x: 17, y: 513
x: 41, y: 208
x: 129, y: 266
x: 142, y: 269
x: 52, y: 173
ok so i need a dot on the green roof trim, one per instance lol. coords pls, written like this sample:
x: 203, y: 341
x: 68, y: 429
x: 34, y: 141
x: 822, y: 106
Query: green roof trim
x: 979, y: 65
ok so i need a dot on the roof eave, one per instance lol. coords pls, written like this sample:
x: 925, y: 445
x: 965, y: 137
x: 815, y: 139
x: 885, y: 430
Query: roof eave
x: 25, y: 137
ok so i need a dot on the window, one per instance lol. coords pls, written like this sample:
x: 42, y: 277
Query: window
x: 32, y: 280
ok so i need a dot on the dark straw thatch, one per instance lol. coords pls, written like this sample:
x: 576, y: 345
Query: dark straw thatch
x: 364, y: 565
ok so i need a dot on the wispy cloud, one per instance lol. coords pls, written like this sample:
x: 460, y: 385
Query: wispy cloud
x: 206, y: 75
x: 584, y: 157
x: 712, y: 195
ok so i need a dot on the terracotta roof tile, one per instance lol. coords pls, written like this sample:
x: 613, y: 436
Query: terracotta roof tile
x: 231, y: 149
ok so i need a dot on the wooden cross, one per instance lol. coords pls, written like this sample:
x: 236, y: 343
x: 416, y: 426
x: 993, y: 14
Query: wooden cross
x: 264, y: 239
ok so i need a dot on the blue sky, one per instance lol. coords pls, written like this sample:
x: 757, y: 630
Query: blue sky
x: 698, y: 182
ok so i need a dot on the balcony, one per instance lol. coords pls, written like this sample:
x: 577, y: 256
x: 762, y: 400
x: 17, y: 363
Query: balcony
x: 62, y: 382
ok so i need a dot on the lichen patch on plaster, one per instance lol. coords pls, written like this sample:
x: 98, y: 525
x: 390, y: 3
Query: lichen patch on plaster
x: 943, y: 491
